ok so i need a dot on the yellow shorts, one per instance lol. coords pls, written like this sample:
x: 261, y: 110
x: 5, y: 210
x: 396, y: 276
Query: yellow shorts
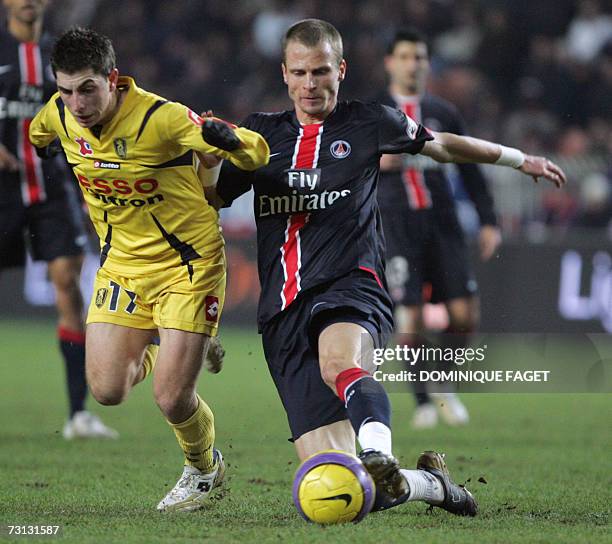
x: 169, y: 299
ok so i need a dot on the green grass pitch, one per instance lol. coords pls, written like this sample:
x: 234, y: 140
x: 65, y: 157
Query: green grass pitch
x: 546, y: 461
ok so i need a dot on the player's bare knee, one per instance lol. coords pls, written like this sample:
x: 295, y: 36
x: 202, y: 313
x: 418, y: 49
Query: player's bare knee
x: 108, y: 396
x: 331, y: 367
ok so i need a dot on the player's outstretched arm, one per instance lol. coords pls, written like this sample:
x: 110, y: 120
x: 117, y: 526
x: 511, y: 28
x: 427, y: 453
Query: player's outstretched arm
x: 448, y: 147
x: 246, y: 149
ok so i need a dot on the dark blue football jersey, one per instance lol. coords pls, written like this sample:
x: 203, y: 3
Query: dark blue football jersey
x: 315, y: 202
x: 422, y: 183
x: 26, y: 83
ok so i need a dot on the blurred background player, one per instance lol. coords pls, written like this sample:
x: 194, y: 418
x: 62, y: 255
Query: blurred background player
x: 425, y: 241
x: 35, y: 213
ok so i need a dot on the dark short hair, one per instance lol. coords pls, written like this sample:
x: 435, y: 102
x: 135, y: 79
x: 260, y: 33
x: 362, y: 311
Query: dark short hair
x: 311, y: 32
x: 81, y: 48
x: 407, y: 34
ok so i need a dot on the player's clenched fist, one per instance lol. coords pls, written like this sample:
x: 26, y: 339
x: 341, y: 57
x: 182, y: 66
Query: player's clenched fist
x: 220, y: 134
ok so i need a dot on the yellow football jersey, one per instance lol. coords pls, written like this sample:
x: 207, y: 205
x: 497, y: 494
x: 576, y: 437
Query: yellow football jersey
x: 139, y: 179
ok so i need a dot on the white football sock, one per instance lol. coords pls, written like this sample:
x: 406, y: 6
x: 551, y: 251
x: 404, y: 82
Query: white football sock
x: 423, y: 486
x: 375, y: 435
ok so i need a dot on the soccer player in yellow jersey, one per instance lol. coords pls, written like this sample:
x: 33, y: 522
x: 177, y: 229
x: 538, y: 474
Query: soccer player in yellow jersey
x: 162, y: 265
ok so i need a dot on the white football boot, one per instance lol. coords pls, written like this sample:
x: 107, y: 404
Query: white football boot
x: 425, y: 416
x: 193, y: 488
x: 84, y: 424
x: 452, y: 411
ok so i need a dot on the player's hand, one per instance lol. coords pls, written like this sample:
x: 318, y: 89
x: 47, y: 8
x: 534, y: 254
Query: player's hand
x: 220, y: 134
x: 537, y: 167
x: 390, y: 163
x: 213, y: 360
x: 208, y: 160
x: 8, y: 161
x: 489, y: 239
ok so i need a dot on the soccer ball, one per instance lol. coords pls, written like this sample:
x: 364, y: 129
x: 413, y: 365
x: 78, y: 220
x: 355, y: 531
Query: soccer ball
x: 333, y: 486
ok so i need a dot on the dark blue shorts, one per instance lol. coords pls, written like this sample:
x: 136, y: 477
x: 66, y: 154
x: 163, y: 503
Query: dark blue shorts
x: 290, y: 341
x: 426, y: 246
x: 48, y: 230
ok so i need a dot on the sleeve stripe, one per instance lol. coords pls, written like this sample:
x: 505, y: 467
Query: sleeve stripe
x: 184, y: 160
x: 147, y: 116
x: 62, y: 113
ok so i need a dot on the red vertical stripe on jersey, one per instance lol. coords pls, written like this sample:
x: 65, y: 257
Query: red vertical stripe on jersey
x: 414, y: 180
x: 305, y: 155
x: 307, y: 147
x: 291, y: 257
x: 32, y: 180
x: 31, y: 50
x: 29, y: 157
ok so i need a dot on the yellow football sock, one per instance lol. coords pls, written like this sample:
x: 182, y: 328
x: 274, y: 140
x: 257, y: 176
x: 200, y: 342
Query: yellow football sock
x: 196, y: 437
x: 148, y: 362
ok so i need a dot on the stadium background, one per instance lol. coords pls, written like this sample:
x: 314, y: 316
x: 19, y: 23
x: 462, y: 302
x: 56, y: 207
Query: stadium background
x: 535, y: 74
x: 532, y: 74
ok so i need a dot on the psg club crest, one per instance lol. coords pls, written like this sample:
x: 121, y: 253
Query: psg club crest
x: 340, y: 149
x: 212, y: 308
x: 101, y: 297
x: 120, y: 147
x: 84, y: 146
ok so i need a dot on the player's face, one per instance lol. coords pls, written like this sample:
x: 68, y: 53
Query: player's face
x: 89, y: 97
x: 408, y: 67
x: 25, y: 11
x: 313, y: 76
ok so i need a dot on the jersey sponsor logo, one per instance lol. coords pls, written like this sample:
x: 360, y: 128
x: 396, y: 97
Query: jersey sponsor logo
x: 31, y: 93
x: 85, y: 147
x: 107, y: 165
x: 305, y: 178
x: 212, y: 308
x: 120, y: 146
x: 14, y: 109
x: 304, y: 197
x: 296, y: 202
x: 340, y: 149
x: 101, y: 296
x: 107, y: 190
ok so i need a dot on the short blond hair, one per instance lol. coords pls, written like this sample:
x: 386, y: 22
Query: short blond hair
x: 312, y: 32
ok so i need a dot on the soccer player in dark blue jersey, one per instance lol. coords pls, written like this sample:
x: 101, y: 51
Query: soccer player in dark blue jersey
x: 34, y: 209
x: 425, y: 242
x: 324, y: 306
